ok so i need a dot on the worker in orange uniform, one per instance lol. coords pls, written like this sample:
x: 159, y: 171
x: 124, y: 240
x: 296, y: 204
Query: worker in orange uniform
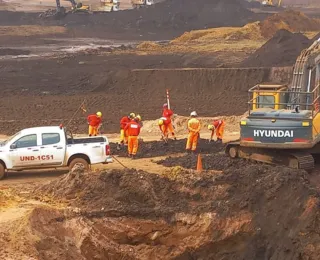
x: 164, y: 123
x: 218, y: 128
x: 133, y: 130
x: 94, y: 122
x: 194, y: 127
x: 168, y: 113
x: 123, y: 122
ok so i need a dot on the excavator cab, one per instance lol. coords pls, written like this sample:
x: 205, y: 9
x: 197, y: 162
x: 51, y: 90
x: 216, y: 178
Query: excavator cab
x: 283, y: 125
x: 269, y: 96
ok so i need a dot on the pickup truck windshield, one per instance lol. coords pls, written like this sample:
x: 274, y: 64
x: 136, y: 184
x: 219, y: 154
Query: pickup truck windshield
x: 10, y: 138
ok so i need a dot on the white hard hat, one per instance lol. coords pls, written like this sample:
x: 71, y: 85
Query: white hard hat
x: 193, y: 113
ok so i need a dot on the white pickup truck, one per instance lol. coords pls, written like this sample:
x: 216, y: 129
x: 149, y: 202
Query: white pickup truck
x: 51, y: 147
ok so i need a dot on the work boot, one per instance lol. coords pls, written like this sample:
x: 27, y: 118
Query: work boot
x: 188, y: 151
x: 119, y: 147
x: 194, y: 152
x: 130, y: 155
x: 175, y: 138
x: 133, y: 157
x: 219, y: 141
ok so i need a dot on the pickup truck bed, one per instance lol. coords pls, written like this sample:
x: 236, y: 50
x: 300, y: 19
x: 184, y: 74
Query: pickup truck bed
x: 85, y: 140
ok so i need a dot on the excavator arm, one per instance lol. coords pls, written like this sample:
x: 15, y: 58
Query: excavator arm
x: 305, y: 64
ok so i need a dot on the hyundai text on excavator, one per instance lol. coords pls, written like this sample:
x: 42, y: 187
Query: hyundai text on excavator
x: 283, y: 125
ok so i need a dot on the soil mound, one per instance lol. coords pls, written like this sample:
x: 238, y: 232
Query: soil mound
x: 159, y: 148
x: 281, y: 50
x: 250, y: 31
x: 290, y: 20
x: 243, y: 213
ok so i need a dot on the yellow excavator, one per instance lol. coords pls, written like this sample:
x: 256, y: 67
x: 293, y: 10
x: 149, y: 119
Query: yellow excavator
x: 136, y: 4
x: 75, y: 7
x: 270, y: 3
x: 283, y: 125
x: 78, y: 7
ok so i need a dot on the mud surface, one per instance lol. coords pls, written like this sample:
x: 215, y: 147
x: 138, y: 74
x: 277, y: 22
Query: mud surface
x: 156, y: 148
x: 281, y: 50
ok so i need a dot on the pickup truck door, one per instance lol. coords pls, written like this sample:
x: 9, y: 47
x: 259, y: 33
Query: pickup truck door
x: 25, y: 152
x: 53, y: 147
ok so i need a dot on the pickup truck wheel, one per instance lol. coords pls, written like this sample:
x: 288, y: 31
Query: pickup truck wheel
x: 2, y: 172
x: 79, y: 162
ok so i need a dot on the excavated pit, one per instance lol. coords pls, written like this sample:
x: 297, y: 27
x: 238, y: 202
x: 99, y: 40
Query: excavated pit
x: 246, y: 211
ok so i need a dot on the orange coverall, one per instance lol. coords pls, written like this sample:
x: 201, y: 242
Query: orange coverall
x: 123, y: 135
x: 168, y: 113
x: 133, y: 130
x: 165, y: 127
x: 219, y: 128
x: 94, y: 123
x: 194, y: 127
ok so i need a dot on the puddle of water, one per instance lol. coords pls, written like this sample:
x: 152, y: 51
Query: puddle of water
x: 74, y: 46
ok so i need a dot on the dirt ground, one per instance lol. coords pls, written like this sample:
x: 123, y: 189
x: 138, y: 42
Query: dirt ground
x: 156, y: 206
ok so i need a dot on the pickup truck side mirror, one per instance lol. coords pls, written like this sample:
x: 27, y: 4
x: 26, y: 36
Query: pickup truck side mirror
x: 13, y: 146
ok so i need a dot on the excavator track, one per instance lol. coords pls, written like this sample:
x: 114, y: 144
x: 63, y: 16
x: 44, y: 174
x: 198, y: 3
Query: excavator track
x: 292, y: 159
